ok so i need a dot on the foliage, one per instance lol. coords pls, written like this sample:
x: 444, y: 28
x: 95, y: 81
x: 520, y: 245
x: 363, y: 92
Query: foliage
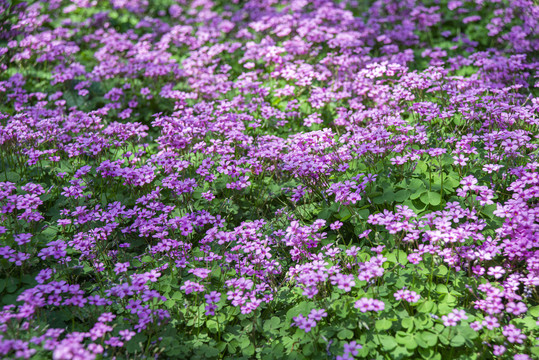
x: 200, y: 179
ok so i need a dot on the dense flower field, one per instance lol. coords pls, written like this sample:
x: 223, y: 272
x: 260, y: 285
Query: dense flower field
x: 264, y: 179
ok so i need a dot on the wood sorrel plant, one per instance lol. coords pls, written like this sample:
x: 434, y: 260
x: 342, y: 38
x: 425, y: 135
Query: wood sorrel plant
x: 269, y: 179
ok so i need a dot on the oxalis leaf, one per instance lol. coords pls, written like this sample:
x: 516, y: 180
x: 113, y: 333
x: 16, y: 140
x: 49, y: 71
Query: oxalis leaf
x: 457, y: 340
x: 345, y: 334
x: 429, y: 338
x: 431, y: 197
x: 387, y: 342
x: 401, y: 352
x: 406, y: 339
x: 426, y: 306
x: 383, y: 324
x: 408, y: 323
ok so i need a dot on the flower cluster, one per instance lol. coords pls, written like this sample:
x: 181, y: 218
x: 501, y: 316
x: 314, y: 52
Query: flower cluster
x: 178, y: 177
x: 309, y: 322
x: 367, y: 304
x: 407, y: 295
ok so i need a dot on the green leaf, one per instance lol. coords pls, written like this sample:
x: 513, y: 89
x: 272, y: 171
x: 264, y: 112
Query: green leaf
x: 429, y: 338
x: 325, y: 214
x: 534, y: 311
x: 408, y: 323
x: 401, y: 195
x: 422, y: 167
x: 449, y: 299
x: 378, y: 200
x: 344, y: 214
x: 232, y: 346
x: 451, y: 182
x: 443, y: 339
x: 389, y: 195
x: 527, y: 322
x: 406, y: 339
x: 415, y: 185
x: 488, y: 210
x: 422, y: 321
x: 244, y: 341
x: 426, y: 306
x: 216, y: 272
x: 272, y: 325
x: 387, y: 342
x: 535, y: 352
x: 302, y: 308
x: 383, y: 324
x: 431, y: 197
x: 441, y: 270
x: 418, y: 193
x: 441, y: 289
x: 249, y: 350
x: 133, y: 345
x: 402, y: 257
x: 363, y: 214
x: 429, y: 354
x: 178, y: 295
x: 401, y: 352
x: 466, y: 331
x: 444, y: 308
x: 212, y: 326
x: 288, y: 343
x: 457, y: 340
x: 345, y: 334
x: 10, y: 176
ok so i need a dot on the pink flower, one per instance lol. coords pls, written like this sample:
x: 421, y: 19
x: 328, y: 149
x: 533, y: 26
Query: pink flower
x: 513, y: 334
x: 336, y: 225
x: 407, y: 295
x: 496, y: 271
x: 460, y: 160
x: 22, y: 239
x: 367, y: 304
x: 191, y: 286
x: 127, y: 334
x: 304, y: 323
x: 317, y: 315
x: 516, y: 308
x: 121, y: 267
x: 460, y: 314
x: 498, y: 350
x: 414, y: 258
x: 491, y: 322
x: 476, y: 325
x: 208, y: 195
x: 450, y: 319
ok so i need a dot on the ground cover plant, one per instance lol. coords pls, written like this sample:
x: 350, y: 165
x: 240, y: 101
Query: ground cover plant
x: 264, y: 179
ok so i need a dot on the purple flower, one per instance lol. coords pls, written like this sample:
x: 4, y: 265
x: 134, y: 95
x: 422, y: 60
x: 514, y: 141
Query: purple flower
x: 213, y: 297
x: 336, y: 225
x: 513, y: 334
x: 304, y: 323
x: 516, y: 308
x: 496, y: 271
x: 498, y: 350
x: 407, y: 295
x: 191, y: 286
x: 121, y: 267
x: 491, y: 322
x: 317, y: 314
x: 367, y: 304
x: 450, y: 319
x: 22, y: 239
